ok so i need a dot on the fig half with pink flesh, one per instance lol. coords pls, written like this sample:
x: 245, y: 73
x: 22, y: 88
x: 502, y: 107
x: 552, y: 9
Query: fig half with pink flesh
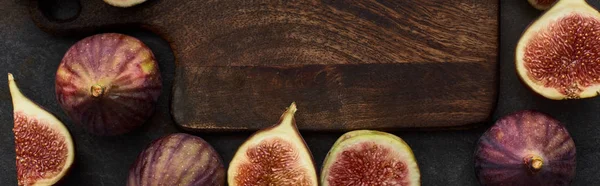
x: 108, y: 83
x: 367, y: 157
x: 525, y: 148
x: 542, y: 4
x: 558, y: 55
x: 274, y: 156
x: 43, y: 145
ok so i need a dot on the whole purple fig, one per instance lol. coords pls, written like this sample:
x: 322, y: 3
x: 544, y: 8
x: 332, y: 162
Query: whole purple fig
x: 178, y: 159
x: 108, y: 83
x: 526, y: 148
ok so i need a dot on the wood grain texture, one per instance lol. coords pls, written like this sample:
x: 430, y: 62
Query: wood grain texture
x: 348, y: 64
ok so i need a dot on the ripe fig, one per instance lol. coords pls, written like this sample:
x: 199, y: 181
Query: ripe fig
x: 525, y: 148
x: 124, y: 3
x: 178, y: 159
x: 43, y: 145
x: 542, y: 4
x: 366, y: 157
x: 108, y: 83
x: 557, y: 55
x: 274, y: 156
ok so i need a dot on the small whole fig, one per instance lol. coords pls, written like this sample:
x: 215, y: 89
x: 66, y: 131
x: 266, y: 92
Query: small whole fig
x: 178, y: 159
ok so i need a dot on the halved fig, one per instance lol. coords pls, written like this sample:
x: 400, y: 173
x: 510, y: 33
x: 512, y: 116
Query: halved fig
x: 124, y: 3
x: 178, y: 159
x: 274, y: 156
x: 542, y: 4
x: 367, y: 157
x: 557, y: 56
x: 108, y: 83
x: 525, y: 148
x: 43, y: 145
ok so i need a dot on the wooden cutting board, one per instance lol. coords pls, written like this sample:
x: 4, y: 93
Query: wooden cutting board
x: 386, y: 64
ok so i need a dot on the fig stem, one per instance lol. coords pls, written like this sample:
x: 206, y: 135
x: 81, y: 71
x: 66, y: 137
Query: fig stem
x: 17, y: 97
x: 97, y: 90
x: 287, y: 119
x: 535, y: 163
x: 293, y: 108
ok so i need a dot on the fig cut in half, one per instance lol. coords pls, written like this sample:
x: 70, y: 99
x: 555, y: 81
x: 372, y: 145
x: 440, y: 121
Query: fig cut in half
x: 525, y: 148
x: 558, y: 55
x: 276, y: 155
x: 178, y: 159
x: 43, y: 145
x: 367, y: 157
x: 541, y: 4
x: 108, y: 83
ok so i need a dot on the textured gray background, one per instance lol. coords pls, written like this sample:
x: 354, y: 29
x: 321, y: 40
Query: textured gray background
x: 445, y: 157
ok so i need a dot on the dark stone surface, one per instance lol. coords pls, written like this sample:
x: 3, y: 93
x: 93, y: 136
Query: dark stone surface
x: 445, y: 157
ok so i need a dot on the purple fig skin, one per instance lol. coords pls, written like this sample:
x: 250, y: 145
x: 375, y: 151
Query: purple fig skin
x: 526, y: 148
x: 541, y: 4
x: 178, y: 159
x: 108, y: 83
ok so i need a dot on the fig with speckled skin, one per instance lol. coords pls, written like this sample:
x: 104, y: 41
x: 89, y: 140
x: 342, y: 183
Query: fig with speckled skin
x: 525, y: 148
x: 178, y: 159
x: 108, y: 83
x: 274, y: 156
x: 43, y: 145
x: 367, y: 157
x: 557, y: 56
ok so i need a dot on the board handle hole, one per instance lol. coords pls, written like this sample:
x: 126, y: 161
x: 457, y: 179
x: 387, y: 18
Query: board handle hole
x: 60, y: 10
